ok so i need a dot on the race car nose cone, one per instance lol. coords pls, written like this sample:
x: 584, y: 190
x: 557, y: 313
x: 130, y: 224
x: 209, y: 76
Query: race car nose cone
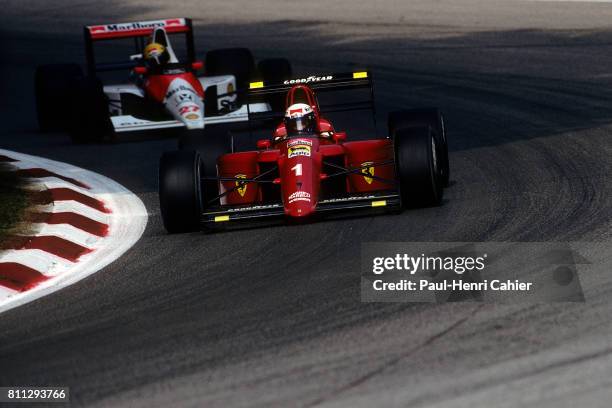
x: 194, y: 124
x: 299, y: 205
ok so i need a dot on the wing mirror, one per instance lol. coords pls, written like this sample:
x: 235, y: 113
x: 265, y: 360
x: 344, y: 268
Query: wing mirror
x: 339, y: 137
x: 197, y: 65
x: 263, y: 144
x: 140, y: 70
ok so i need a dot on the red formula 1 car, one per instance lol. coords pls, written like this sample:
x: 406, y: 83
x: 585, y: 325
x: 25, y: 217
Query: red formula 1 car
x: 301, y: 176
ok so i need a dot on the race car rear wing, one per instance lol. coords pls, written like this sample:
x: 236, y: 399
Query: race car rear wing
x: 138, y: 31
x: 320, y: 84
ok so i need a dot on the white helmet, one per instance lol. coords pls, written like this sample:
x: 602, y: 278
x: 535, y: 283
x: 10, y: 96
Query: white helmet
x: 300, y: 119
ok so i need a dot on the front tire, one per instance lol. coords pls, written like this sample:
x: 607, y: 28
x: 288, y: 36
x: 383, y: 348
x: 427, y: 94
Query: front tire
x: 238, y: 62
x: 416, y: 163
x: 52, y: 85
x: 180, y: 191
x: 275, y: 70
x: 211, y: 143
x: 91, y: 121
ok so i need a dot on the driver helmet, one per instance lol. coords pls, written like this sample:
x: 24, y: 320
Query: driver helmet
x: 155, y: 54
x: 300, y: 119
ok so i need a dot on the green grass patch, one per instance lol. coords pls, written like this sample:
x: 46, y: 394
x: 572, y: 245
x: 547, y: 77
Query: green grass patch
x: 13, y: 199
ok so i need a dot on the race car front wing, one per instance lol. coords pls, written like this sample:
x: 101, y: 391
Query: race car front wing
x: 376, y: 202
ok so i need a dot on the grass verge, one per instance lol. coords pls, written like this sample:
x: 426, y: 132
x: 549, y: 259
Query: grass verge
x: 13, y: 200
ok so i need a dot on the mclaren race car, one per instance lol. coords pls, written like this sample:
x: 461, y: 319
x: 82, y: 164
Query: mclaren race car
x: 161, y: 90
x: 303, y: 172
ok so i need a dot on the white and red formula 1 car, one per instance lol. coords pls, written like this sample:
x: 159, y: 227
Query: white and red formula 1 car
x: 172, y: 95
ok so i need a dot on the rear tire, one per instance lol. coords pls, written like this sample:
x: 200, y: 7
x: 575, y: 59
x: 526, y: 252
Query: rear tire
x: 275, y: 70
x: 210, y: 143
x: 424, y: 117
x: 180, y: 191
x: 238, y: 62
x: 417, y: 169
x: 91, y: 121
x: 52, y: 85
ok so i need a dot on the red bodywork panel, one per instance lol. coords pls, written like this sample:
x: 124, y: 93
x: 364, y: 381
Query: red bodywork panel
x: 300, y: 170
x: 156, y: 85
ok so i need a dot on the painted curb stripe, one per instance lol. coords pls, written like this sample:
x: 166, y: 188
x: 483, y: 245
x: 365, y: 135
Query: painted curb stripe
x: 19, y: 277
x: 80, y: 222
x: 76, y: 220
x: 67, y: 194
x: 52, y: 244
x: 40, y: 173
x: 42, y: 261
x: 77, y: 208
x: 76, y: 235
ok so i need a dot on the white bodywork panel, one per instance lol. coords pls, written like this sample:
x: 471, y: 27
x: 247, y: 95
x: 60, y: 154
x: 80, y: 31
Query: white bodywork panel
x: 128, y: 123
x: 181, y: 102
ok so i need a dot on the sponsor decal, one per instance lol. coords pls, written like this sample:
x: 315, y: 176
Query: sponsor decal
x: 308, y: 80
x: 109, y: 28
x: 253, y: 208
x: 133, y: 123
x: 340, y: 200
x: 298, y: 150
x: 241, y: 185
x: 174, y: 71
x: 299, y: 142
x: 367, y: 171
x: 179, y: 89
x: 188, y: 109
x: 192, y: 116
x: 299, y: 196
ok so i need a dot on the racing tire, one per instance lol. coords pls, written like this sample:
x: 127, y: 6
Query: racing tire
x: 238, y: 62
x: 180, y: 191
x: 275, y: 70
x: 52, y: 84
x: 91, y: 121
x: 424, y: 117
x: 416, y: 164
x: 210, y: 143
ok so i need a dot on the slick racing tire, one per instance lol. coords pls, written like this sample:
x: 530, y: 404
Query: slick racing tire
x: 417, y: 167
x: 275, y: 70
x: 238, y: 62
x: 52, y: 84
x: 91, y: 120
x: 180, y: 191
x: 210, y: 143
x: 424, y: 117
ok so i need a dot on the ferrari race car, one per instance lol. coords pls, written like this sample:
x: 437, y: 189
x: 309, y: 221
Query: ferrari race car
x: 167, y: 95
x: 298, y: 177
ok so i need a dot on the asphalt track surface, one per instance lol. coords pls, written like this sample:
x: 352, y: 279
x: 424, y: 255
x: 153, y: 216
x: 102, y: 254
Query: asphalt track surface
x: 272, y: 316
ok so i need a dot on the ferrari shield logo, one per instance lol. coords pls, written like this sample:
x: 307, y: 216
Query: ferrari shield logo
x: 241, y: 186
x: 367, y: 171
